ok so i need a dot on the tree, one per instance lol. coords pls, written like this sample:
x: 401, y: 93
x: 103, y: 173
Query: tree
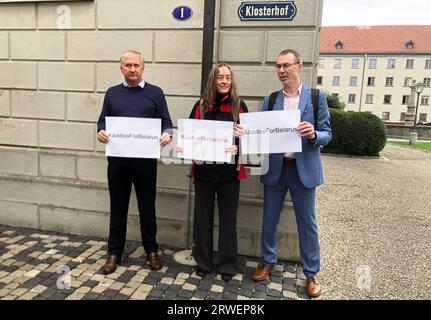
x: 334, y: 101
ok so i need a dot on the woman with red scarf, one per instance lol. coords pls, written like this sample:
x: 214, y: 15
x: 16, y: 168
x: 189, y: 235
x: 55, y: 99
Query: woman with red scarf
x: 220, y: 102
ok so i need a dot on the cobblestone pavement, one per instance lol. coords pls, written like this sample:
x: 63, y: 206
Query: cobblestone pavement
x: 43, y: 265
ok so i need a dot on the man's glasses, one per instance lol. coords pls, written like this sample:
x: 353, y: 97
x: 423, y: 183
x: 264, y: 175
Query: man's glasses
x: 284, y: 65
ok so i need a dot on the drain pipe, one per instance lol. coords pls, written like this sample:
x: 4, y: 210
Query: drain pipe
x: 208, y: 41
x: 207, y: 63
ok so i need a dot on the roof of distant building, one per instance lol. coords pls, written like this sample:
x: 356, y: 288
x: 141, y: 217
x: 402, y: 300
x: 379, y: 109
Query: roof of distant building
x: 376, y: 39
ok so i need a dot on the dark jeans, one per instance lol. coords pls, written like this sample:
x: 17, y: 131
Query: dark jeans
x: 122, y: 172
x: 227, y: 201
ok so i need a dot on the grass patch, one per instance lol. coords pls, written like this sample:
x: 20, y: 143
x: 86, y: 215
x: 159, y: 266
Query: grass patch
x: 419, y: 145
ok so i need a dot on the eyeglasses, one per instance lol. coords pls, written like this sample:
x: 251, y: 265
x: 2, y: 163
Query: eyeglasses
x: 284, y: 65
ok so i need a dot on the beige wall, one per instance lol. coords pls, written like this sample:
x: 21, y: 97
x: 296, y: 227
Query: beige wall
x: 57, y: 59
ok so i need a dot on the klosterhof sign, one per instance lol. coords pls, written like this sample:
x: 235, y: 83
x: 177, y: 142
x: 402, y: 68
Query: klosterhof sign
x: 260, y: 10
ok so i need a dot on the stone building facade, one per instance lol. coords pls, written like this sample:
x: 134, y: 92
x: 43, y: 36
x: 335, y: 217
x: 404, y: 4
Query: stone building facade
x: 57, y: 59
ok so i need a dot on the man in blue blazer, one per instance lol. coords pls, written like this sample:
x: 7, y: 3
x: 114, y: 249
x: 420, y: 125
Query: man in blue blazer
x: 300, y: 173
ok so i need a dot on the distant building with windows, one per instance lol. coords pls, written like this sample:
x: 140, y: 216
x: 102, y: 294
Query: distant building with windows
x: 372, y: 68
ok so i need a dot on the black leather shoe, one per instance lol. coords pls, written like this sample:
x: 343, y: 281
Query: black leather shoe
x: 201, y: 273
x: 226, y: 277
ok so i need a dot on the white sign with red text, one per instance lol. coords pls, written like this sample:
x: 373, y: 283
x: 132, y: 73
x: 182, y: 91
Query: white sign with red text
x: 205, y: 140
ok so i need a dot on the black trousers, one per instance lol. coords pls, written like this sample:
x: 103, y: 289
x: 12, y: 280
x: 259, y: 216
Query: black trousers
x: 122, y: 172
x: 227, y: 201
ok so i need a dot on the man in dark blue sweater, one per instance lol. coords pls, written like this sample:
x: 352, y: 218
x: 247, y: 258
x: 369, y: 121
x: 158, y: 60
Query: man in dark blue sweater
x: 133, y: 98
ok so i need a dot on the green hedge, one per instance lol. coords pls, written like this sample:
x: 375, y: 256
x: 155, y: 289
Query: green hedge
x: 356, y: 133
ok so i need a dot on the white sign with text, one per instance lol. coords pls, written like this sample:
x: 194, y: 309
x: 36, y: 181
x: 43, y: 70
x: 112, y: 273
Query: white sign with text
x: 133, y: 137
x: 270, y: 132
x: 205, y: 140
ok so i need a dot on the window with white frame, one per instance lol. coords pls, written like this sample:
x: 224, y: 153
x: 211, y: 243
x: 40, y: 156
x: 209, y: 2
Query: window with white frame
x: 352, y: 98
x: 385, y: 115
x: 336, y: 80
x: 425, y: 100
x: 372, y: 64
x: 403, y: 116
x: 321, y: 63
x: 427, y: 82
x: 371, y: 81
x: 337, y: 63
x: 353, y: 81
x: 391, y: 63
x: 422, y: 117
x: 410, y: 63
x: 406, y: 99
x: 369, y: 98
x: 387, y: 99
x: 428, y: 64
x: 389, y: 82
x: 355, y: 63
x: 408, y: 81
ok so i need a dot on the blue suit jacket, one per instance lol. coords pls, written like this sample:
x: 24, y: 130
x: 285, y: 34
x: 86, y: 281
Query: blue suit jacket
x: 308, y: 161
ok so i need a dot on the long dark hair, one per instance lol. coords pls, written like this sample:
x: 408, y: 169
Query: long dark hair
x: 210, y: 92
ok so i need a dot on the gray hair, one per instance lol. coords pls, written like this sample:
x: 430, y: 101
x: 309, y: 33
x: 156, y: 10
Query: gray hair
x: 132, y: 53
x: 298, y: 58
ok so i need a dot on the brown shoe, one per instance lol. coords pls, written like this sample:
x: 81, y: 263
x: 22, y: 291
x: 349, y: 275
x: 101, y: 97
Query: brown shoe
x: 262, y: 272
x: 154, y: 259
x: 110, y: 264
x: 314, y: 288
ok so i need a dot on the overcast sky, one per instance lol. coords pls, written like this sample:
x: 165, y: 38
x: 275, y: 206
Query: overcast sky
x: 375, y: 12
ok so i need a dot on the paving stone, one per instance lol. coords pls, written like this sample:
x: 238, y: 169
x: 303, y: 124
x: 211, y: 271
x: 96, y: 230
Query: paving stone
x: 185, y: 293
x: 150, y: 281
x: 139, y: 296
x: 214, y: 296
x: 229, y: 296
x: 274, y: 293
x: 205, y: 286
x: 155, y: 293
x: 245, y: 292
x: 127, y: 291
x: 216, y: 288
x: 175, y: 288
x: 289, y: 281
x: 162, y: 286
x: 232, y: 289
x: 144, y: 288
x: 110, y: 293
x: 170, y: 295
x: 90, y: 283
x: 91, y: 296
x: 201, y: 294
x: 260, y: 287
x: 303, y: 296
x: 259, y: 294
x: 29, y: 265
x: 290, y: 295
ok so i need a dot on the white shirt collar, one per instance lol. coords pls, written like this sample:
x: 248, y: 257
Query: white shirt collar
x: 298, y: 91
x: 140, y: 84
